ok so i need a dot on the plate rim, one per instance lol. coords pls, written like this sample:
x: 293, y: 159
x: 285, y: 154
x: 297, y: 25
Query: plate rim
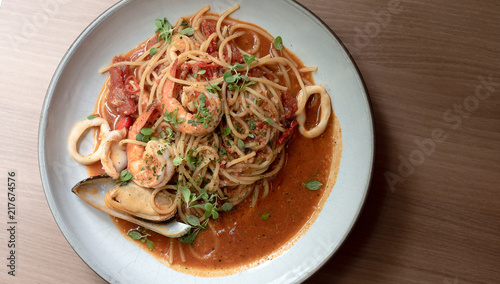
x: 316, y: 18
x: 107, y: 13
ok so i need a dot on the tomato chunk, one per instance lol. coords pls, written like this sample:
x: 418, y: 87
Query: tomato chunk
x: 125, y: 122
x: 288, y: 133
x: 289, y: 104
x: 119, y: 98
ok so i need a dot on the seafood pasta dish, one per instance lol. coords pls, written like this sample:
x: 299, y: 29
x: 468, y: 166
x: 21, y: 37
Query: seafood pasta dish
x: 214, y: 150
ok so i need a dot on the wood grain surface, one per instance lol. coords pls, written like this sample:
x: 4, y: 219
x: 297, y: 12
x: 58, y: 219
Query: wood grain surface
x: 432, y: 71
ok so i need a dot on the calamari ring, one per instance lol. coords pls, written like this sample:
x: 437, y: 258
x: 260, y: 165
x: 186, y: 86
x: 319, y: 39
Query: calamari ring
x: 326, y: 110
x: 76, y: 134
x: 111, y: 166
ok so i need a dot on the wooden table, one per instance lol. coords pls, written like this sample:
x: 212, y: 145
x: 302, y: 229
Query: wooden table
x: 432, y: 70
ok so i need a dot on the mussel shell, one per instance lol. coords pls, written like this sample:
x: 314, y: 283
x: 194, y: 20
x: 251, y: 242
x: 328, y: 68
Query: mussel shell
x: 93, y: 190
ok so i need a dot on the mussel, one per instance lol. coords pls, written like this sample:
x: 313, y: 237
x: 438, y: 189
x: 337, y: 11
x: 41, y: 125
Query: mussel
x: 130, y: 202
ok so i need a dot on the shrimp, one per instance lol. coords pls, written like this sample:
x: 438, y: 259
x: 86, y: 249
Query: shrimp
x: 203, y: 112
x: 151, y: 166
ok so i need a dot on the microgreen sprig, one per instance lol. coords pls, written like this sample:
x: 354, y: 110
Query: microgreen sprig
x: 248, y: 60
x: 214, y: 89
x: 165, y: 30
x: 168, y: 134
x: 204, y: 201
x: 233, y: 77
x: 200, y: 72
x: 171, y: 117
x: 142, y: 235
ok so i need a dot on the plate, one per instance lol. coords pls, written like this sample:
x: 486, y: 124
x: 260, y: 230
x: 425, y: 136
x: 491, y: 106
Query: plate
x: 74, y: 88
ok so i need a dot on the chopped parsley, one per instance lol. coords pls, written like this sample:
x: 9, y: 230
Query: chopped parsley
x: 252, y: 125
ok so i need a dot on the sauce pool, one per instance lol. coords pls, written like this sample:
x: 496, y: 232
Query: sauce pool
x: 247, y: 236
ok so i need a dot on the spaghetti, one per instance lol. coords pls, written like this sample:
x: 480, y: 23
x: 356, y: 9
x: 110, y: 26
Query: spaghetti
x: 203, y: 114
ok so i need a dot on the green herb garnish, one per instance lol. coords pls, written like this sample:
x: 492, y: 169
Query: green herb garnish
x: 165, y: 30
x: 247, y: 84
x: 171, y: 117
x: 153, y: 50
x: 278, y: 43
x: 234, y: 79
x: 192, y: 161
x: 248, y: 60
x: 142, y: 235
x: 168, y: 134
x: 212, y: 88
x: 177, y: 161
x: 90, y: 117
x: 241, y: 145
x: 125, y: 175
x: 252, y: 125
x: 313, y: 184
x: 191, y: 236
x: 203, y: 115
x: 206, y: 202
x: 187, y: 31
x: 227, y: 131
x: 193, y: 220
x: 227, y: 206
x: 201, y: 72
x: 186, y: 193
x: 144, y: 135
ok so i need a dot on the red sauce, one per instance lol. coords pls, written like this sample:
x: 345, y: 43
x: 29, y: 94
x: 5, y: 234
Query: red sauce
x: 248, y: 235
x: 244, y: 236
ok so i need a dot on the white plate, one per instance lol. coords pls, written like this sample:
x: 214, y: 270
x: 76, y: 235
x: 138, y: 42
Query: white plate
x: 72, y: 94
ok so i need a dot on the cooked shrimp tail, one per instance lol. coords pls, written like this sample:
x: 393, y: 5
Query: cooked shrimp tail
x: 199, y: 111
x: 151, y: 165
